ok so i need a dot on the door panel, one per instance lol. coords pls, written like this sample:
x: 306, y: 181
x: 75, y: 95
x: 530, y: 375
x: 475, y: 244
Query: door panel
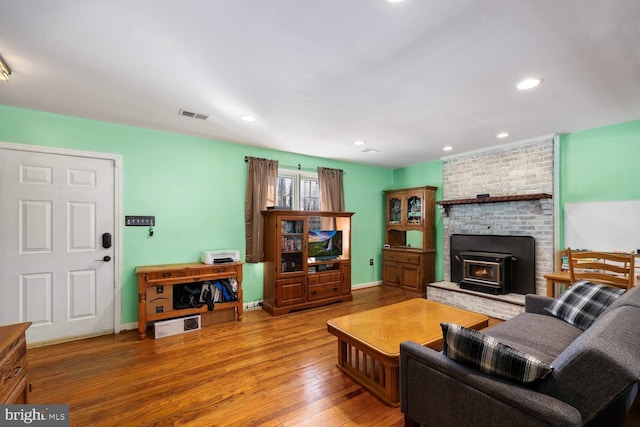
x: 82, y: 294
x: 35, y: 298
x: 346, y: 278
x: 290, y: 291
x: 35, y: 174
x: 410, y: 277
x: 82, y: 226
x: 55, y: 209
x: 35, y: 226
x: 391, y: 273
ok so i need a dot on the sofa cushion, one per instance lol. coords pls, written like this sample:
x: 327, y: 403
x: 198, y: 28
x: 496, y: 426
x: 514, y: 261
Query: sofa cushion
x: 490, y: 356
x: 540, y: 335
x: 583, y: 302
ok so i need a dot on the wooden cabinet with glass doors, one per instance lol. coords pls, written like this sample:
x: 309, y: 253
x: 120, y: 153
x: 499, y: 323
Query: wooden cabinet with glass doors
x: 408, y: 259
x: 307, y: 259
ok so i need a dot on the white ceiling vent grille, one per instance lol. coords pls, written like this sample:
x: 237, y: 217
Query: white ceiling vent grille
x: 199, y: 116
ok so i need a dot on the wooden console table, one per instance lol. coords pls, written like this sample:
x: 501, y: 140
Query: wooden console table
x: 157, y: 281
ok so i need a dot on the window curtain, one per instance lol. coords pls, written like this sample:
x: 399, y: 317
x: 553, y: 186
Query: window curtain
x: 331, y: 193
x: 331, y: 189
x: 262, y: 180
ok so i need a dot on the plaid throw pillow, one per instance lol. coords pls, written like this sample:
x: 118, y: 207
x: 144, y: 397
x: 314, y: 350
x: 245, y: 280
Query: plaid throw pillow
x: 490, y: 356
x: 582, y: 303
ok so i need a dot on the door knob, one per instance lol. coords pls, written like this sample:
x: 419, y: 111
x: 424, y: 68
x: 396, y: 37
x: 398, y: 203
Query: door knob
x: 106, y: 258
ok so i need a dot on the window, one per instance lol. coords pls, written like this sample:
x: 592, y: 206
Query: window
x: 298, y: 190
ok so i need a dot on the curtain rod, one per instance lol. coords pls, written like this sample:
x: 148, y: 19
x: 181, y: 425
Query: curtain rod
x: 246, y: 159
x: 298, y: 166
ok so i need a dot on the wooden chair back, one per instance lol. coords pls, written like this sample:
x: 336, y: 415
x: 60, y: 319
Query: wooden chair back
x: 607, y: 268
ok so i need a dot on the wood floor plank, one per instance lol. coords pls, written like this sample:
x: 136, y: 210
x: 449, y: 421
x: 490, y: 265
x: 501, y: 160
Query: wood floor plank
x: 263, y: 370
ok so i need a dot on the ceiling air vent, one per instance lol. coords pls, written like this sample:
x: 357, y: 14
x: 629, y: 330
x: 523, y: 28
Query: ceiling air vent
x: 200, y: 116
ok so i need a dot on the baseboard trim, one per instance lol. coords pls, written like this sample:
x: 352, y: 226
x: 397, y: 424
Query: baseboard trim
x: 129, y: 327
x: 366, y: 285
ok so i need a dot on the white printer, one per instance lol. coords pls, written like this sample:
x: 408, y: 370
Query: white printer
x: 219, y: 257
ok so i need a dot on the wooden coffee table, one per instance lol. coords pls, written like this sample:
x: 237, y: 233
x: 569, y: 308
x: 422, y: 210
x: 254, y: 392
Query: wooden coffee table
x: 369, y: 342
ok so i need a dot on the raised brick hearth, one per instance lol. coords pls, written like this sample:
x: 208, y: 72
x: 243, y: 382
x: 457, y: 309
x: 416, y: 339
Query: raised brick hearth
x: 498, y: 306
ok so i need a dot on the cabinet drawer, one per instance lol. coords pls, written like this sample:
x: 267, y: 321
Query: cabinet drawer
x: 19, y: 394
x: 13, y: 367
x: 217, y: 269
x: 400, y: 257
x: 336, y: 276
x: 167, y: 275
x: 192, y: 275
x: 318, y: 278
x: 324, y: 290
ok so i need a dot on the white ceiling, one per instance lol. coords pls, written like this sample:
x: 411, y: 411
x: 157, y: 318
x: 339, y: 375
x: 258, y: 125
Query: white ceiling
x: 407, y: 78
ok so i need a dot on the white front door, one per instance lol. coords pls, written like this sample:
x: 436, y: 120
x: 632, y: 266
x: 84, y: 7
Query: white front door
x: 55, y: 268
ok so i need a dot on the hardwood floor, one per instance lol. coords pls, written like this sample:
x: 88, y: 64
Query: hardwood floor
x: 263, y: 370
x: 272, y: 371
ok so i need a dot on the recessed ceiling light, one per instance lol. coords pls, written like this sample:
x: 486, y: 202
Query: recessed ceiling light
x: 370, y: 150
x: 447, y: 148
x: 359, y: 142
x: 529, y: 83
x: 248, y: 118
x: 395, y: 1
x: 502, y: 135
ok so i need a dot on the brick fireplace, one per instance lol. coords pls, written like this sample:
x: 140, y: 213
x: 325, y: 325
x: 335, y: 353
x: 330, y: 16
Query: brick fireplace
x: 517, y: 169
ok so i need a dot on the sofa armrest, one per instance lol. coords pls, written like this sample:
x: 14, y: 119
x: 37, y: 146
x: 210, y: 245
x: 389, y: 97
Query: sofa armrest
x: 600, y: 365
x: 536, y: 303
x: 435, y: 390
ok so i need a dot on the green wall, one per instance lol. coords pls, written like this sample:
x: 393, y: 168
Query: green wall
x: 601, y: 164
x: 195, y: 187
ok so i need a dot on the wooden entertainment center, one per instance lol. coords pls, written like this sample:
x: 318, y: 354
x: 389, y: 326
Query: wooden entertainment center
x: 155, y: 289
x: 408, y: 258
x: 293, y: 279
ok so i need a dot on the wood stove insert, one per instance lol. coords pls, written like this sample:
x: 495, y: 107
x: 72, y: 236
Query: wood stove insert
x: 522, y: 248
x: 487, y: 272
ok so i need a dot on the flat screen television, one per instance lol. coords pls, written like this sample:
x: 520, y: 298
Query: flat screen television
x: 325, y: 244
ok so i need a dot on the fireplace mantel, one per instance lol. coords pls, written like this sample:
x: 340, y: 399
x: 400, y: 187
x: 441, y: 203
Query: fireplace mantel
x: 446, y: 204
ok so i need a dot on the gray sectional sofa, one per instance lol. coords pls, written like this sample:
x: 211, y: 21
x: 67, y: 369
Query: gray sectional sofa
x: 594, y: 379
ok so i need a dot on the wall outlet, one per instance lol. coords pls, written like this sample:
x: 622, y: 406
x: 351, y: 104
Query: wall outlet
x: 253, y: 305
x: 371, y: 261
